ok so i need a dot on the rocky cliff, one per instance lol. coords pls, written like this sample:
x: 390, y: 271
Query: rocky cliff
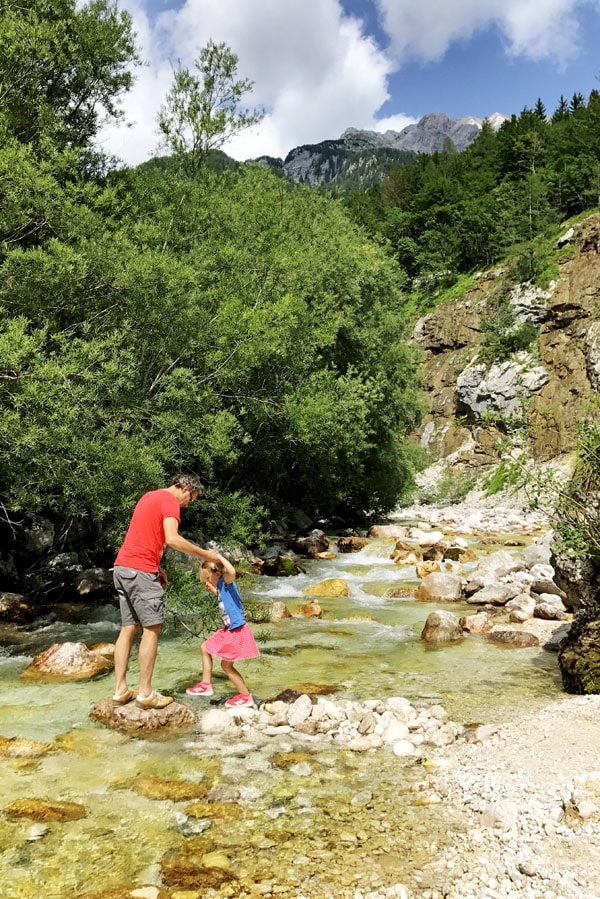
x: 480, y: 410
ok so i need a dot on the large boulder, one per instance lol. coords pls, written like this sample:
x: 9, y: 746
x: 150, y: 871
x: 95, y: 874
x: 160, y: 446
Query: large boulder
x: 442, y: 627
x: 67, y: 661
x: 579, y: 655
x: 440, y: 586
x: 17, y: 608
x: 131, y: 719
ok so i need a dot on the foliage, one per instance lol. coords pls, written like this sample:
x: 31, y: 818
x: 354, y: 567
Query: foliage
x: 202, y: 110
x: 449, y: 214
x: 235, y: 324
x: 506, y: 474
x: 63, y: 70
x: 503, y: 336
x: 577, y: 507
x: 452, y: 488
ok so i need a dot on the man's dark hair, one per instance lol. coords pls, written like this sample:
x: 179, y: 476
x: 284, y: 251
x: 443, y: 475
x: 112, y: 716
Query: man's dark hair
x: 187, y: 480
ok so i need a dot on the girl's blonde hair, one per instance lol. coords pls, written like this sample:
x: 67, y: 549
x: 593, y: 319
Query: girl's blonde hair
x: 208, y: 567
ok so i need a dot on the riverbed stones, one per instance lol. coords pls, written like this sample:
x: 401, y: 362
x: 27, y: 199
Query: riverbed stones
x: 17, y: 608
x: 131, y: 719
x: 66, y: 662
x: 20, y: 748
x: 45, y: 810
x: 440, y: 586
x: 518, y: 639
x: 174, y: 790
x: 442, y: 627
x: 279, y: 611
x: 330, y: 587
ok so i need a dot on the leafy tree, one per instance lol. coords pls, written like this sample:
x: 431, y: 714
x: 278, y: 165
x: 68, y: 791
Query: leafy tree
x: 63, y: 69
x: 202, y: 111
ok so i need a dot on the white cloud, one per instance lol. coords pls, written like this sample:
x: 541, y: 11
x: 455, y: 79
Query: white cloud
x: 315, y: 71
x: 534, y: 28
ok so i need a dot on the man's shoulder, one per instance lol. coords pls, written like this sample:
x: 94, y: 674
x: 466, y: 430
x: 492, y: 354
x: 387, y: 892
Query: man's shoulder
x: 162, y: 500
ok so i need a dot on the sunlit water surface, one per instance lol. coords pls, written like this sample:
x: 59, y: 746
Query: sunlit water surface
x: 325, y: 826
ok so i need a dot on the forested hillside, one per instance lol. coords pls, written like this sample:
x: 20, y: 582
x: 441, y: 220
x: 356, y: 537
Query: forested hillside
x: 452, y: 213
x: 175, y: 316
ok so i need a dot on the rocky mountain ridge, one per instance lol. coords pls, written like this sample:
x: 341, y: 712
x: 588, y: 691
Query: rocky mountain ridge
x: 360, y: 158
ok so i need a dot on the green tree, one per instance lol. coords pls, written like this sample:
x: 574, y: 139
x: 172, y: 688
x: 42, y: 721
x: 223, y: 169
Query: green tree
x: 63, y: 70
x: 202, y: 111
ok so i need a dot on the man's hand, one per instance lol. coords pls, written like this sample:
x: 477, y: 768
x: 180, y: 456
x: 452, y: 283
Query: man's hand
x: 164, y: 580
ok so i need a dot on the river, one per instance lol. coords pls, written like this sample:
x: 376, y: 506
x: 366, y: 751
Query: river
x: 281, y: 822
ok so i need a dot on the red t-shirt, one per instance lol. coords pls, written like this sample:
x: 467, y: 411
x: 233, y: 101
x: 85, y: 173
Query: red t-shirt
x: 144, y: 541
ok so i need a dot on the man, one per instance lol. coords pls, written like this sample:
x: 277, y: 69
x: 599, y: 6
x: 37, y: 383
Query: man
x: 140, y: 582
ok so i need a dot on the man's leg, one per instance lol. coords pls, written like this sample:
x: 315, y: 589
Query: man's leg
x: 147, y: 657
x: 122, y: 653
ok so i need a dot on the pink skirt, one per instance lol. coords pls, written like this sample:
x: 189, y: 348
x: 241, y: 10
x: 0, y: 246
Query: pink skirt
x: 233, y: 645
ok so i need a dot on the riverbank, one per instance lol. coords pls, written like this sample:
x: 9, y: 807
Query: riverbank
x: 525, y: 792
x: 530, y: 790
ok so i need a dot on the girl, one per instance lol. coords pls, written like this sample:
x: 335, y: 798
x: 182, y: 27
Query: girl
x: 234, y: 641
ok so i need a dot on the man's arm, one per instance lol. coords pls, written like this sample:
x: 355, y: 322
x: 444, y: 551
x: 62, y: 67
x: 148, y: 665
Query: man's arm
x: 174, y: 539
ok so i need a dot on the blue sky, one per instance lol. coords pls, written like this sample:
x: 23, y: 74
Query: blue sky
x: 320, y: 66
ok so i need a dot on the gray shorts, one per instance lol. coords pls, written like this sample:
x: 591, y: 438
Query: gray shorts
x: 141, y: 596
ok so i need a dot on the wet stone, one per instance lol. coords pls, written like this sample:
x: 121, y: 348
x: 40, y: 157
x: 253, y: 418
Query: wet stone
x: 42, y: 810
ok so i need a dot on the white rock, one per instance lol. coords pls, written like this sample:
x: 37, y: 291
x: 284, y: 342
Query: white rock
x: 403, y: 748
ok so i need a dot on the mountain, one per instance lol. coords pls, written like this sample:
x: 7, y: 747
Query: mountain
x: 359, y: 159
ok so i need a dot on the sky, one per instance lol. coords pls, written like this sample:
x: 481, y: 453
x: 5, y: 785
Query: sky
x: 321, y: 66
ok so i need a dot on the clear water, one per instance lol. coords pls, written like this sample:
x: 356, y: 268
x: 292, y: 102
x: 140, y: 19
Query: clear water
x: 299, y: 829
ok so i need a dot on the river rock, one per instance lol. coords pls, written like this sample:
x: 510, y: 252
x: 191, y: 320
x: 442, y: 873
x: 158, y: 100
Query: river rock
x: 17, y: 608
x: 67, y: 661
x: 316, y: 542
x: 426, y: 567
x: 550, y: 606
x: 92, y: 579
x: 351, y: 544
x: 331, y: 587
x: 493, y: 595
x: 441, y: 627
x: 480, y: 623
x: 279, y: 611
x: 43, y: 810
x: 311, y: 609
x: 21, y: 748
x: 518, y: 639
x: 131, y: 719
x: 440, y: 586
x: 520, y: 608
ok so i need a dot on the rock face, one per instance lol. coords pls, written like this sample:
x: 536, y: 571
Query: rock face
x: 363, y: 157
x: 471, y: 402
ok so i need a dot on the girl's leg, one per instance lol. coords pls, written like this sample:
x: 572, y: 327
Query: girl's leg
x: 234, y: 676
x: 207, y: 665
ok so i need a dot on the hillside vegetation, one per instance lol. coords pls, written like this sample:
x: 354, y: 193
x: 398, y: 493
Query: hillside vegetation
x: 451, y: 213
x: 177, y: 316
x: 193, y: 313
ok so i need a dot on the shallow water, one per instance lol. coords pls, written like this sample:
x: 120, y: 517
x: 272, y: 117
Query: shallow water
x: 317, y: 826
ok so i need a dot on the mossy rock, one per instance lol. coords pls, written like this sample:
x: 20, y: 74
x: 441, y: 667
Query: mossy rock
x: 579, y: 657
